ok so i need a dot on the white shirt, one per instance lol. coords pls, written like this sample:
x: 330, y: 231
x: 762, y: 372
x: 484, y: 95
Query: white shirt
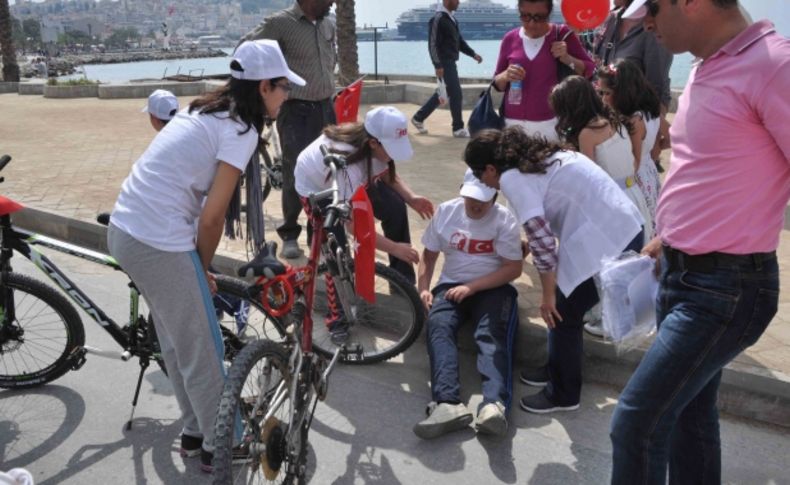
x: 472, y: 248
x: 586, y: 210
x: 531, y: 46
x: 162, y: 197
x: 313, y: 176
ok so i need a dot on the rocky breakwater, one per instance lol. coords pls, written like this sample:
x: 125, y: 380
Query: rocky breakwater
x: 68, y: 63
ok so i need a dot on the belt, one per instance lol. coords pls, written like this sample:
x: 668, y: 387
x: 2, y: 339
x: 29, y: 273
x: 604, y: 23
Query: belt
x: 706, y: 263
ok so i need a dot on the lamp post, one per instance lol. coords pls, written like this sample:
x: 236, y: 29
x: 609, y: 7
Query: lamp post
x: 376, y: 51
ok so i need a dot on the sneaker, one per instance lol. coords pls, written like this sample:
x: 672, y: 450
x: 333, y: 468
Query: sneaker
x: 291, y: 249
x: 420, y: 126
x: 190, y: 446
x: 535, y: 377
x: 594, y: 328
x: 540, y: 404
x: 462, y: 133
x: 338, y: 332
x: 443, y: 418
x: 239, y: 455
x: 491, y: 419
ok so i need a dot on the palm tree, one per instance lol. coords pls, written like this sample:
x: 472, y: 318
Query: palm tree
x: 7, y: 49
x: 348, y: 58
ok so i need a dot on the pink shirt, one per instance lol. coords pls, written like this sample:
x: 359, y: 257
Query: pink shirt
x: 729, y: 181
x: 541, y: 71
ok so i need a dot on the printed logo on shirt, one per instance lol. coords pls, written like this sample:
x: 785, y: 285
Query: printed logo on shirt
x: 461, y: 242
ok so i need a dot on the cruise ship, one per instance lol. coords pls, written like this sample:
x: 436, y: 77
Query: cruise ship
x: 478, y: 19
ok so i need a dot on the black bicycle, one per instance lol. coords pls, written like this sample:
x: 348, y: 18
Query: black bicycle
x: 42, y: 336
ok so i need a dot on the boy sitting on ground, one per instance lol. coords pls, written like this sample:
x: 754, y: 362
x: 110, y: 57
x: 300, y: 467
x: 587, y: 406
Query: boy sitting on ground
x: 481, y: 243
x: 161, y: 108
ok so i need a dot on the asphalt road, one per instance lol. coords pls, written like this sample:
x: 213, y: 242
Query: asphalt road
x: 73, y: 430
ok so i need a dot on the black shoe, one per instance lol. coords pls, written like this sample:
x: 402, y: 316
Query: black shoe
x: 532, y: 376
x: 190, y: 446
x: 206, y: 461
x: 338, y: 332
x: 540, y: 404
x: 239, y: 455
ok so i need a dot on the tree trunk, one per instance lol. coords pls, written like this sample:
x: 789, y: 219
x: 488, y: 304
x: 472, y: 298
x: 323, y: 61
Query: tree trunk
x: 347, y: 56
x: 7, y: 49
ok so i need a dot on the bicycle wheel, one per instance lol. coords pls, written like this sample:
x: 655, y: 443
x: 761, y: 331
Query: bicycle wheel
x: 36, y: 346
x: 243, y: 314
x: 380, y: 330
x: 259, y: 379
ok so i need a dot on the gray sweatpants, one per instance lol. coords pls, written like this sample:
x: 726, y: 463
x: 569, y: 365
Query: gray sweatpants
x: 175, y: 287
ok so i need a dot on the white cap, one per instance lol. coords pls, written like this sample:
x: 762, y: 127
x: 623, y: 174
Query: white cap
x: 262, y: 59
x: 391, y: 128
x: 476, y: 189
x: 162, y: 104
x: 636, y: 10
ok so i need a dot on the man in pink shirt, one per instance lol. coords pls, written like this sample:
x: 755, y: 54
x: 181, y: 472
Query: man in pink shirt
x: 718, y: 220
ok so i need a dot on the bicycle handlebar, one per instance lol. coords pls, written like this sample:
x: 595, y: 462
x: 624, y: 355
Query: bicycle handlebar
x: 4, y: 161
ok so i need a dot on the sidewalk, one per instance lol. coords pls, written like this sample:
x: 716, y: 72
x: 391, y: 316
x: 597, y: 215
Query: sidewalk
x: 70, y: 157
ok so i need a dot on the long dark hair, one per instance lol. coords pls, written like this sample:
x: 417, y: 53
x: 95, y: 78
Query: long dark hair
x: 631, y: 92
x: 357, y: 136
x: 511, y: 148
x: 576, y: 104
x: 240, y: 98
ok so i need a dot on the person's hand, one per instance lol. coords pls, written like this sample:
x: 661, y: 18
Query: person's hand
x: 212, y: 283
x: 653, y: 249
x: 478, y: 58
x: 422, y: 205
x: 405, y: 252
x: 458, y: 293
x: 427, y: 299
x: 440, y: 72
x: 550, y: 314
x: 559, y: 50
x: 513, y: 73
x: 524, y: 249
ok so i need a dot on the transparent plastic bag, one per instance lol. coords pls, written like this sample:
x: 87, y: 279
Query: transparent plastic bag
x: 441, y: 90
x: 628, y: 287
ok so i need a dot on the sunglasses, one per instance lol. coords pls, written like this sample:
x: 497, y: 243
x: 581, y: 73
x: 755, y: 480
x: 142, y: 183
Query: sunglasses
x: 537, y: 18
x: 285, y: 87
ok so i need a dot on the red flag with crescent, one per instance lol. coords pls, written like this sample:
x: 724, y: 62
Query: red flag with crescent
x: 347, y: 103
x: 364, y: 244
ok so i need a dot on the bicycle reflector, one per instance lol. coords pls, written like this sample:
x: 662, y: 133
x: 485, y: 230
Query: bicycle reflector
x: 365, y: 244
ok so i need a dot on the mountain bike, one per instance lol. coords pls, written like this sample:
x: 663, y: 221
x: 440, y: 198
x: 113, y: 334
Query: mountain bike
x: 41, y: 334
x: 274, y: 387
x: 271, y: 160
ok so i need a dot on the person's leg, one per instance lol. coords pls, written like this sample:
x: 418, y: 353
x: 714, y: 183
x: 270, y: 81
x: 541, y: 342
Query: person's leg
x: 427, y: 109
x: 706, y: 320
x: 390, y: 209
x: 454, y: 93
x: 443, y: 323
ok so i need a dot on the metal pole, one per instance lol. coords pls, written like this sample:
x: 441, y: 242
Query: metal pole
x: 376, y: 52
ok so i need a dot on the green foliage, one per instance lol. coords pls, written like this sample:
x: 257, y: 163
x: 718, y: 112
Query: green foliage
x: 71, y: 37
x: 119, y: 37
x: 71, y: 82
x: 32, y: 29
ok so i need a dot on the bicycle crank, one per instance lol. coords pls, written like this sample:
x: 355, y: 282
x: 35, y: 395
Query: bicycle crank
x: 274, y: 438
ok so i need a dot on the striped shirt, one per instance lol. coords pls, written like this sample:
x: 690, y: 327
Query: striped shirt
x: 542, y: 244
x: 309, y: 48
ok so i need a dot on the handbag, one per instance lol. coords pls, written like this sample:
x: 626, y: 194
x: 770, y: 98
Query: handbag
x: 563, y: 70
x: 484, y: 115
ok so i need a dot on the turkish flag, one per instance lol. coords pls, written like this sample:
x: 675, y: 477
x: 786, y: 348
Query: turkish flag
x: 364, y: 244
x: 347, y: 103
x: 481, y: 247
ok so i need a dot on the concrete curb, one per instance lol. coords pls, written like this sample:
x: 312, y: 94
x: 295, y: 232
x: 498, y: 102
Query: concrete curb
x: 747, y: 391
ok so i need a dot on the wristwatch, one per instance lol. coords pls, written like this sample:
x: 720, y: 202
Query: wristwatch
x: 572, y: 65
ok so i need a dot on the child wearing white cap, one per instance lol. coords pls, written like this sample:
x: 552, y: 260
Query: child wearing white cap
x: 162, y: 107
x: 189, y: 174
x: 481, y: 244
x: 372, y: 149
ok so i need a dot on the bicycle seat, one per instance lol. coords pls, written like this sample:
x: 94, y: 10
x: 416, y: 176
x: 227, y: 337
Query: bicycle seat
x: 265, y: 263
x: 103, y: 218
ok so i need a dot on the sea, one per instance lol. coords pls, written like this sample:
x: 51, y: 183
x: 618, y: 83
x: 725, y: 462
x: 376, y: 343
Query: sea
x: 395, y: 57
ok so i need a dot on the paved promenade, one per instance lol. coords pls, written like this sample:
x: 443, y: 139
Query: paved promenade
x: 70, y: 157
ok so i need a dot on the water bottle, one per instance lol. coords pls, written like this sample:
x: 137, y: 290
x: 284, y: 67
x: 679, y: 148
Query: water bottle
x: 514, y: 95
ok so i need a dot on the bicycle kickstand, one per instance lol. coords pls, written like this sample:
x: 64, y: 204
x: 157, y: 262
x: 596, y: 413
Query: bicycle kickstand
x: 143, y: 367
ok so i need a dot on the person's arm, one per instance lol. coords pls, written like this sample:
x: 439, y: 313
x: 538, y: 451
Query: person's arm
x: 548, y: 305
x: 773, y: 107
x: 402, y: 251
x: 433, y: 45
x: 422, y: 205
x: 424, y: 275
x: 212, y: 217
x: 657, y: 61
x: 507, y: 272
x: 638, y: 133
x: 501, y: 76
x: 264, y: 30
x: 572, y: 53
x: 543, y: 246
x: 587, y: 143
x: 464, y: 47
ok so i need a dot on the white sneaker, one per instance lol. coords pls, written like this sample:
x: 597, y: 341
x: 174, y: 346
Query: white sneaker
x: 595, y: 328
x: 443, y: 419
x: 291, y: 249
x: 491, y: 419
x: 462, y: 133
x: 421, y: 129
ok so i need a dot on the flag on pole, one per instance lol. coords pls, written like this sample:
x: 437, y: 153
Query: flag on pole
x: 364, y: 245
x: 347, y: 102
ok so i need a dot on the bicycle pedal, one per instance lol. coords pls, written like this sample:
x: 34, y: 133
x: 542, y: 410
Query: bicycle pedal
x: 355, y: 353
x: 77, y: 358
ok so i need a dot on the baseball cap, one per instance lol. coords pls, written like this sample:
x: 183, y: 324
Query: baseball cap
x: 474, y: 188
x: 162, y: 104
x: 636, y: 10
x: 262, y: 59
x: 390, y: 127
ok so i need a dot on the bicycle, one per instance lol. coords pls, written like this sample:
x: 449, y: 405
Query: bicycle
x: 271, y: 160
x: 41, y: 334
x: 274, y: 387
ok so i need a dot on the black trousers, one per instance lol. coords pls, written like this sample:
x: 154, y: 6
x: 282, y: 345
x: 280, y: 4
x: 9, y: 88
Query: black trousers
x: 455, y: 94
x: 390, y: 209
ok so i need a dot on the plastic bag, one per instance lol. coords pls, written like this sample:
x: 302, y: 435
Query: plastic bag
x: 628, y: 287
x: 441, y: 90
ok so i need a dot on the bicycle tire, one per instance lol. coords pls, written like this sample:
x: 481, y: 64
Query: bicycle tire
x: 260, y: 324
x: 404, y: 313
x: 34, y: 315
x: 240, y: 390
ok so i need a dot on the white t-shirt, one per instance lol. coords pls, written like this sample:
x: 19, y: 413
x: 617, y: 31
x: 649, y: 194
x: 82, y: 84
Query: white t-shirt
x: 313, y: 176
x: 472, y: 248
x: 585, y: 208
x: 162, y: 197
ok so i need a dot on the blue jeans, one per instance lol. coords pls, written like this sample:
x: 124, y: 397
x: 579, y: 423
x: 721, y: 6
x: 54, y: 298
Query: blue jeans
x: 495, y: 313
x: 455, y: 94
x: 667, y: 415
